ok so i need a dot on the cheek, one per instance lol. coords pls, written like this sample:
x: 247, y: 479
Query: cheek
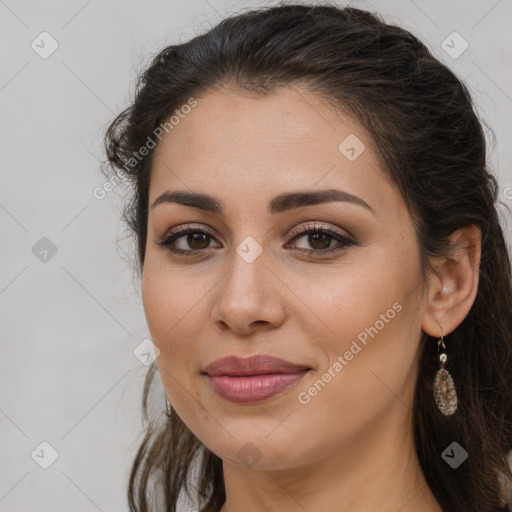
x: 159, y: 304
x: 370, y: 318
x: 350, y: 299
x: 172, y: 316
x: 173, y: 309
x: 167, y: 294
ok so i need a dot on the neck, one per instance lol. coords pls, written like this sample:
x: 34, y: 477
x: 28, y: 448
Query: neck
x: 375, y: 472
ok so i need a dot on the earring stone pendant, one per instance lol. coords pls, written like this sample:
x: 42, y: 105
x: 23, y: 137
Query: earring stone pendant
x: 444, y: 392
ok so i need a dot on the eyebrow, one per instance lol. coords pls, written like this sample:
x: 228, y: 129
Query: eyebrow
x: 279, y: 204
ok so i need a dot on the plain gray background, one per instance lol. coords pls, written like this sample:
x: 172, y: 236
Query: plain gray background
x: 70, y: 323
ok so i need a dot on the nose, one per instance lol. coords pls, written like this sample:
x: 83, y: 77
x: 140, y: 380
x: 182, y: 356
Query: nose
x: 249, y: 298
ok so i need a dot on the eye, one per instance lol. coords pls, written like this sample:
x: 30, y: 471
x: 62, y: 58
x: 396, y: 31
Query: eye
x: 194, y: 240
x: 320, y: 238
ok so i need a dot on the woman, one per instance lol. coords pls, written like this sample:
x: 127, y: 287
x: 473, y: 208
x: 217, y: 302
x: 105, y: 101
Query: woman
x: 323, y: 272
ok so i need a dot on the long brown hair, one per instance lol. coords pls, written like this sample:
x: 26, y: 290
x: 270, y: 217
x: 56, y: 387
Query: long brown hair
x: 432, y: 145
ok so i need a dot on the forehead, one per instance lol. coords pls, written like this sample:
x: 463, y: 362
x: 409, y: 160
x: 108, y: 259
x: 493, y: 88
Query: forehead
x: 285, y: 140
x: 276, y: 122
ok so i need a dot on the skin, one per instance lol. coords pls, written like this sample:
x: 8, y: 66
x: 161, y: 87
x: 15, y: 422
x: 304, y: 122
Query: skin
x: 351, y: 445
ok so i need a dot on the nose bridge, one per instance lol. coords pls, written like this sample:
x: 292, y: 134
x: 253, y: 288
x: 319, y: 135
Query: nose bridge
x: 246, y: 295
x: 246, y: 281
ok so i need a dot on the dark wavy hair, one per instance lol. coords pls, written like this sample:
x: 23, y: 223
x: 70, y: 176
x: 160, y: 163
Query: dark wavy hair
x: 432, y: 146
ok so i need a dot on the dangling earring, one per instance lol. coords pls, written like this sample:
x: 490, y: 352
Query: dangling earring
x: 168, y: 406
x: 444, y: 389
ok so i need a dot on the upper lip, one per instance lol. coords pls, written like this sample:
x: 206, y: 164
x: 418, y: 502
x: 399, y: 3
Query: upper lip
x: 253, y: 365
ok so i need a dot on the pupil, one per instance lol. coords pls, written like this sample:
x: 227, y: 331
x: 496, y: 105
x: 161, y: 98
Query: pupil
x: 197, y: 237
x: 313, y: 238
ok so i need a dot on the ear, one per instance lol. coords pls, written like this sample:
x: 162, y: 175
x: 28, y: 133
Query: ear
x: 453, y: 283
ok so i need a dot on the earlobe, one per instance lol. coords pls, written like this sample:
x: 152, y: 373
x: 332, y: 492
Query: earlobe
x: 453, y: 283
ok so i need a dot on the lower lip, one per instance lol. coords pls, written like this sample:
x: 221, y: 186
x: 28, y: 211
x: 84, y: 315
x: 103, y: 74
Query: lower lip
x: 253, y: 388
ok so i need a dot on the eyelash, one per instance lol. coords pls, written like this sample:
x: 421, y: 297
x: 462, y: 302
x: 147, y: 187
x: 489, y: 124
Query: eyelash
x: 167, y: 240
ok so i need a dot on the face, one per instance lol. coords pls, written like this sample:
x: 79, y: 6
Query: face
x: 251, y: 278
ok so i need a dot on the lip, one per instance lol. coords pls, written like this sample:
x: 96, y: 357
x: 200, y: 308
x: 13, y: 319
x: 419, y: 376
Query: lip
x: 253, y: 379
x: 253, y: 365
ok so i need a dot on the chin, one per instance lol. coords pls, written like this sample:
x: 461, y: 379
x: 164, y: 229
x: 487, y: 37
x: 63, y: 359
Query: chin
x: 254, y: 452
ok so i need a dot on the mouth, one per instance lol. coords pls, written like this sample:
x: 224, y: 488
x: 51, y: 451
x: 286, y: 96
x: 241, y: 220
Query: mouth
x: 253, y: 379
